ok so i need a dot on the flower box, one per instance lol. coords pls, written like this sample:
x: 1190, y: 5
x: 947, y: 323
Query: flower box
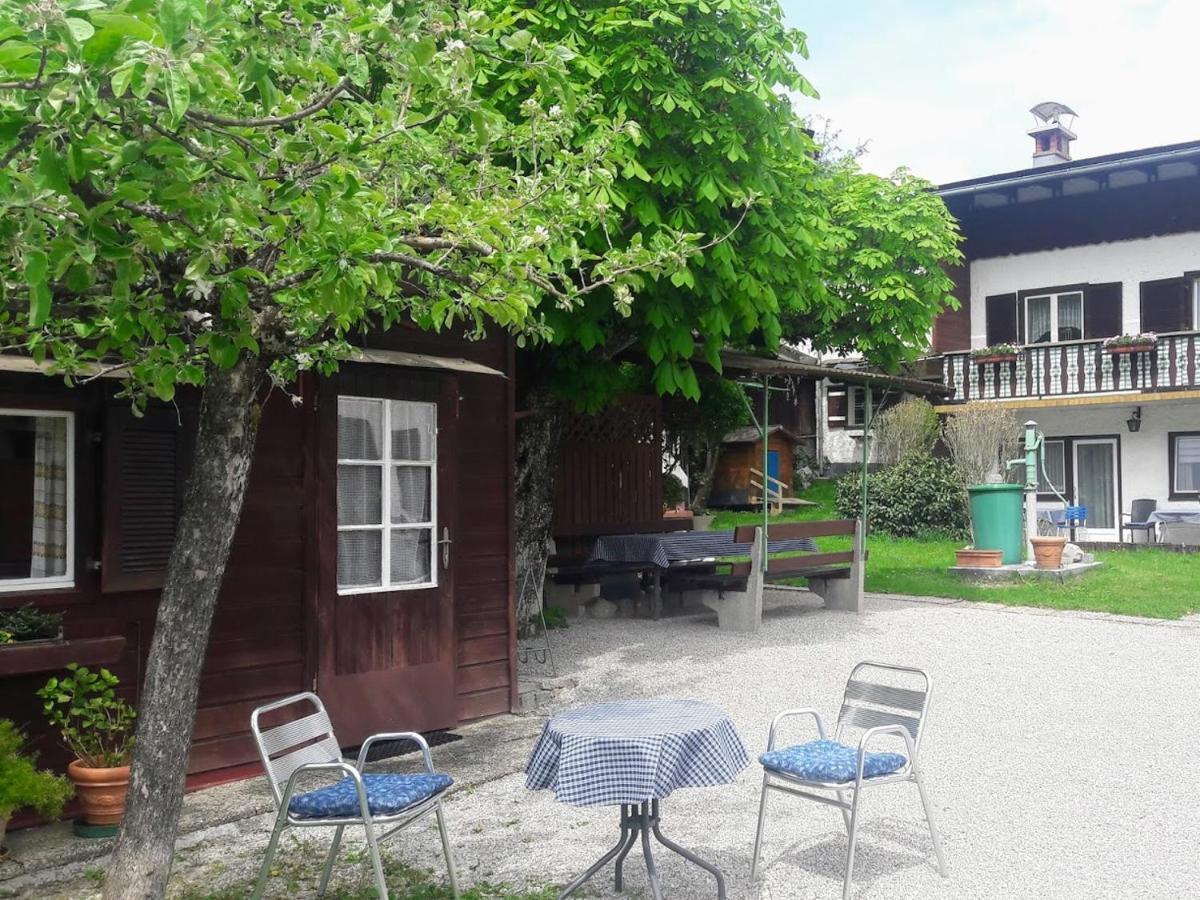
x: 1130, y: 348
x: 978, y: 559
x: 997, y: 358
x: 31, y: 657
x: 1131, y: 343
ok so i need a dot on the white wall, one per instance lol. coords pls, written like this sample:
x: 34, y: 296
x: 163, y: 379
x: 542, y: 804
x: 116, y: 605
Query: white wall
x: 1130, y: 262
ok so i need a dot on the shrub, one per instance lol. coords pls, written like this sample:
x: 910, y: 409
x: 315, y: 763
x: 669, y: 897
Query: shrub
x: 22, y: 783
x: 906, y: 429
x: 672, y: 490
x: 28, y: 624
x: 982, y: 437
x: 96, y: 725
x: 920, y: 495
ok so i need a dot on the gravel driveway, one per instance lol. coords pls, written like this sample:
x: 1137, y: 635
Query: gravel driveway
x: 1060, y: 751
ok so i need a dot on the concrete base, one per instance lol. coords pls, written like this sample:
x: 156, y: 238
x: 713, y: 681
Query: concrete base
x: 1021, y: 572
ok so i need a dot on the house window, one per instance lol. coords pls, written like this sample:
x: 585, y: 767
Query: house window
x: 1168, y: 305
x: 1052, y: 474
x: 1185, y: 464
x: 1050, y: 318
x: 857, y: 404
x: 386, y: 495
x: 37, y: 503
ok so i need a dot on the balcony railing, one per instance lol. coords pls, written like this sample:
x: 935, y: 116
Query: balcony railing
x: 1074, y: 368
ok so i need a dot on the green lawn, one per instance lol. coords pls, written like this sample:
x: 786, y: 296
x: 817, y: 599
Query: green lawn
x: 1142, y: 582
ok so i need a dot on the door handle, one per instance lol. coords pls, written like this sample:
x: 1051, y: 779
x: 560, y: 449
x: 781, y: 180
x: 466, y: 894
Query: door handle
x: 445, y: 543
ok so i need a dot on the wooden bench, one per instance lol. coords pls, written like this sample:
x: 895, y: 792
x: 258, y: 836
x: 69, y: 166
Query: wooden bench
x: 737, y: 593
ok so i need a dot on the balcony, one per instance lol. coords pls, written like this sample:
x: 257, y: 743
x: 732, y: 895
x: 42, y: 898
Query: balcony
x: 1076, y: 368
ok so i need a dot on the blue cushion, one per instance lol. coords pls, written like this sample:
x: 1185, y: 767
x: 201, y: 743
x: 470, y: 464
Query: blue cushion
x: 386, y: 795
x: 829, y: 761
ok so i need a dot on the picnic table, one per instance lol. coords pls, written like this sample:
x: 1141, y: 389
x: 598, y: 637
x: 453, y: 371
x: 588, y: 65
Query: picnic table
x: 659, y: 551
x: 632, y: 754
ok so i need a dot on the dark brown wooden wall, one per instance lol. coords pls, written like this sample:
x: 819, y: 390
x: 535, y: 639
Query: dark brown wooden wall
x: 952, y: 328
x: 736, y: 461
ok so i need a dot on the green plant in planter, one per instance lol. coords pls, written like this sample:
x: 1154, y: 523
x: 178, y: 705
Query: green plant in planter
x: 96, y: 725
x: 29, y: 624
x: 23, y: 784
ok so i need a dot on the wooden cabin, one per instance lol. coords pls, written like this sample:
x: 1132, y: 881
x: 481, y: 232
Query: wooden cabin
x: 742, y: 452
x: 399, y: 623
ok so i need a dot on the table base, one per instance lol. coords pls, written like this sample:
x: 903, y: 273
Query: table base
x: 642, y: 820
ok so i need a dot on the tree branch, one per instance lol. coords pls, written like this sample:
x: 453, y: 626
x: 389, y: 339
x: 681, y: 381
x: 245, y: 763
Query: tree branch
x: 28, y: 85
x: 266, y: 121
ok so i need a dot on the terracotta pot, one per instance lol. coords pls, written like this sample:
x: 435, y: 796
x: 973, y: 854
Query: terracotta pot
x: 978, y: 559
x: 1048, y: 551
x: 101, y: 792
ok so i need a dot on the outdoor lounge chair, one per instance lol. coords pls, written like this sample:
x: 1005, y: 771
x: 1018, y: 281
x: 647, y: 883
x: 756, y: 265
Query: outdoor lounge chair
x: 880, y: 700
x: 307, y: 744
x: 1139, y: 512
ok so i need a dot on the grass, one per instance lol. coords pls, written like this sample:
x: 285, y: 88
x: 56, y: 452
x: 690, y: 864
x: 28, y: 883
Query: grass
x: 1147, y: 582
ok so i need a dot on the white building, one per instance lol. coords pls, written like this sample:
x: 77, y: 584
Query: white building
x: 1062, y: 257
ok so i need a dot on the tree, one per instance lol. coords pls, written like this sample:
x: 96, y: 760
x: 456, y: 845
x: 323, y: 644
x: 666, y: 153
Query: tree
x: 693, y: 430
x: 221, y: 195
x: 910, y: 428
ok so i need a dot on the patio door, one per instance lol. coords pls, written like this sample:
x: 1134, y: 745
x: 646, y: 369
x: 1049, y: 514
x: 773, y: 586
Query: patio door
x: 1096, y: 487
x: 385, y: 605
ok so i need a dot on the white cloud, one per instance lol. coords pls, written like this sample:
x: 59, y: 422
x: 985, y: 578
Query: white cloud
x: 947, y: 90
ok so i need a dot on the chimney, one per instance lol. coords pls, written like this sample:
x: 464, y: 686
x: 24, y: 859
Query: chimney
x: 1051, y: 138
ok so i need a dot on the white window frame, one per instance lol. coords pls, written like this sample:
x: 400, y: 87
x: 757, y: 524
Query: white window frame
x: 385, y: 463
x: 1174, y: 451
x: 853, y: 390
x: 67, y: 579
x: 1196, y: 303
x: 1053, y: 298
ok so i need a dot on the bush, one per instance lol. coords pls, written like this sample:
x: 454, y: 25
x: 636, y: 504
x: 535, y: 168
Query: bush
x: 907, y: 429
x: 22, y: 783
x: 918, y: 496
x: 672, y: 490
x: 982, y: 437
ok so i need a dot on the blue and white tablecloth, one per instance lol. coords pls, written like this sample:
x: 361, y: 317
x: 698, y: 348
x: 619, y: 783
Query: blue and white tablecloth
x: 630, y: 751
x: 1181, y: 515
x: 675, y: 546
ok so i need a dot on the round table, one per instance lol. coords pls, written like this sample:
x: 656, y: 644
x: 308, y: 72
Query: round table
x: 632, y: 754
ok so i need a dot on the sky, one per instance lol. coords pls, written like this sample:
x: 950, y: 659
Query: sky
x: 944, y: 87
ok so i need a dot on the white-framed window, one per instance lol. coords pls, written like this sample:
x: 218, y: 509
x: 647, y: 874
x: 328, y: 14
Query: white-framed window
x: 1052, y: 474
x: 386, y: 495
x: 1050, y: 318
x: 1185, y: 464
x: 37, y: 499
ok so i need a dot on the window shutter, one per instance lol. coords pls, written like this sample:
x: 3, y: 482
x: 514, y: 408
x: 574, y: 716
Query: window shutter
x: 1102, y: 310
x: 836, y: 397
x: 144, y: 463
x: 1166, y: 305
x: 1002, y: 327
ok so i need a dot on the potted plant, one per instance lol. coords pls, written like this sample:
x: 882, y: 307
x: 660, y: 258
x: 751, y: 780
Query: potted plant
x: 997, y: 353
x: 97, y: 726
x: 1131, y: 343
x: 29, y: 624
x: 23, y: 784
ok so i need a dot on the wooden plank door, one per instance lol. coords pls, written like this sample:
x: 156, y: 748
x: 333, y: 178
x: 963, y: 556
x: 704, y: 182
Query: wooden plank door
x: 385, y: 606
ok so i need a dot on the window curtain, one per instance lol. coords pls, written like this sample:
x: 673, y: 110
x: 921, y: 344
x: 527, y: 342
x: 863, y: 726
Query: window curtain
x: 1070, y: 317
x: 49, y: 557
x: 1095, y: 480
x: 1038, y: 326
x: 1187, y: 464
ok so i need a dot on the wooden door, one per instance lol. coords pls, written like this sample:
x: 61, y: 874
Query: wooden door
x: 385, y: 605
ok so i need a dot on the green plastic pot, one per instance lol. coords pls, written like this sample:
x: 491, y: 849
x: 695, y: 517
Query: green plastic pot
x: 996, y: 519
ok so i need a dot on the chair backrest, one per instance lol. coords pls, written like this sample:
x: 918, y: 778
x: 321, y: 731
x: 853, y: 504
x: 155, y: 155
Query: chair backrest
x: 306, y: 737
x: 1076, y: 515
x: 885, y: 694
x: 1140, y: 510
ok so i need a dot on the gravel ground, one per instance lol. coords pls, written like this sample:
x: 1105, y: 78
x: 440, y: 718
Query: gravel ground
x: 1053, y: 754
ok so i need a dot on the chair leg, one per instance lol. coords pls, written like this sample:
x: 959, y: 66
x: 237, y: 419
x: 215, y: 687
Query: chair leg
x: 329, y: 858
x: 376, y: 861
x: 841, y: 795
x: 758, y: 835
x: 441, y: 820
x: 854, y: 804
x: 263, y: 873
x: 933, y: 833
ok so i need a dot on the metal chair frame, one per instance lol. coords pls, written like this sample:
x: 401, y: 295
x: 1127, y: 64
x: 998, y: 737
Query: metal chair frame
x: 311, y: 746
x: 861, y: 708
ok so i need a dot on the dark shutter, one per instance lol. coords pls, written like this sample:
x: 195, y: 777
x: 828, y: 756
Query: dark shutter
x: 1166, y: 305
x: 837, y: 406
x: 144, y: 462
x: 1001, y: 312
x: 1102, y: 310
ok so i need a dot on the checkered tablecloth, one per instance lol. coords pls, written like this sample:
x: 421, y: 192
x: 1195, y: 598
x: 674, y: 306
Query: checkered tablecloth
x: 629, y: 751
x: 675, y: 546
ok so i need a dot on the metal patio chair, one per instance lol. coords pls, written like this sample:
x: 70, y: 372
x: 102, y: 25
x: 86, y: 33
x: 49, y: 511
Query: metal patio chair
x: 306, y: 745
x: 876, y: 708
x: 1138, y: 515
x: 1072, y: 517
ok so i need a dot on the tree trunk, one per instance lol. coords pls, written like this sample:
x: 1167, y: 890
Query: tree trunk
x: 538, y: 445
x: 229, y: 415
x: 712, y: 453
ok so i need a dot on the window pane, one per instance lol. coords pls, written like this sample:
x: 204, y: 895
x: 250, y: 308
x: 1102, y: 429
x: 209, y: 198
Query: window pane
x: 35, y: 474
x: 410, y: 494
x: 414, y: 430
x: 1187, y: 463
x: 360, y: 428
x: 1037, y: 320
x: 410, y: 556
x: 1166, y: 306
x: 360, y: 495
x: 1054, y: 473
x: 1070, y: 317
x: 360, y: 559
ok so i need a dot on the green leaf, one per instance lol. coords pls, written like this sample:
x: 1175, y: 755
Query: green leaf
x: 81, y: 29
x: 425, y: 50
x: 120, y: 80
x: 37, y: 266
x: 174, y: 16
x: 178, y: 94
